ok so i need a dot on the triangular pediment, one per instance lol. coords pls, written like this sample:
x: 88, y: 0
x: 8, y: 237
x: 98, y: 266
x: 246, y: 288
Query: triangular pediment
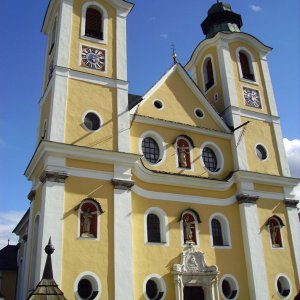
x: 180, y: 99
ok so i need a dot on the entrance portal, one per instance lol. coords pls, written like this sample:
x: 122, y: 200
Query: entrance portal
x: 193, y: 293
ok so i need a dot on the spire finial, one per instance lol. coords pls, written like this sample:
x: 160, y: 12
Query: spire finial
x: 174, y: 56
x: 48, y: 273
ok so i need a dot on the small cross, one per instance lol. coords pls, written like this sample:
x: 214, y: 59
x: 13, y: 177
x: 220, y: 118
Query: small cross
x: 8, y: 242
x: 173, y: 53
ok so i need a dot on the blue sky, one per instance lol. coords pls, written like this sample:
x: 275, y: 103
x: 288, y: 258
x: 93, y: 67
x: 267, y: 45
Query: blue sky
x: 152, y: 27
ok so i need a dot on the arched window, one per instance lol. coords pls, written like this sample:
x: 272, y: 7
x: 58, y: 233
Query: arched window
x: 156, y: 228
x: 275, y: 224
x: 183, y: 153
x: 153, y: 228
x: 208, y: 73
x: 246, y: 66
x: 89, y: 210
x: 219, y: 229
x: 189, y: 224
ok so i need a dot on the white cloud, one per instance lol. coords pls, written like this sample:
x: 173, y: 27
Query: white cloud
x: 164, y: 35
x: 255, y: 8
x: 292, y: 149
x: 8, y: 221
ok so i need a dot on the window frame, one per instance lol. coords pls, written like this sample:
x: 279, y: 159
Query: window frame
x: 289, y: 283
x: 231, y: 279
x: 252, y: 68
x: 103, y: 11
x: 219, y: 155
x: 265, y: 149
x: 205, y: 75
x: 83, y: 124
x: 159, y: 282
x: 164, y: 228
x: 95, y: 281
x: 226, y: 236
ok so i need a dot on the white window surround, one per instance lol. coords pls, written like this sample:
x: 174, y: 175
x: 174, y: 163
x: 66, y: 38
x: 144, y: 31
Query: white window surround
x: 201, y: 111
x: 225, y: 231
x: 191, y: 154
x: 102, y: 10
x: 271, y: 244
x: 218, y: 153
x: 160, y: 101
x: 234, y: 284
x: 160, y: 142
x: 160, y: 284
x: 251, y: 64
x: 95, y: 281
x: 204, y: 74
x: 196, y: 228
x: 82, y: 120
x: 164, y: 228
x: 79, y: 221
x: 267, y: 152
x: 286, y: 282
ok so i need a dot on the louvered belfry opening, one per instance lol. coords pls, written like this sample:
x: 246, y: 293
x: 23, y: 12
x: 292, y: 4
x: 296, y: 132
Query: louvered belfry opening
x: 93, y: 24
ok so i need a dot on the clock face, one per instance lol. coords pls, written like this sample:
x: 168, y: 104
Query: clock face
x: 252, y: 97
x: 93, y: 58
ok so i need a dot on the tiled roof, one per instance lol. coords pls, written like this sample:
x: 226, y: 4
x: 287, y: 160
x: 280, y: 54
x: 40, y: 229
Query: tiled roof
x: 8, y: 258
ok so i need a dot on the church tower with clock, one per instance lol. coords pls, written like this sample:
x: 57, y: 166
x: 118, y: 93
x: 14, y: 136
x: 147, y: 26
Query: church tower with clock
x: 157, y: 196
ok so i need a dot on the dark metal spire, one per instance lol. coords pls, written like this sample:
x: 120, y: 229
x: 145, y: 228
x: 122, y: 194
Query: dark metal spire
x: 48, y: 273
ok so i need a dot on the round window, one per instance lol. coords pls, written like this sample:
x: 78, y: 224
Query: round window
x: 210, y: 159
x: 199, y: 113
x: 261, y: 152
x: 229, y: 288
x: 150, y: 150
x: 283, y: 286
x: 151, y: 289
x: 158, y: 104
x: 85, y: 288
x: 92, y: 121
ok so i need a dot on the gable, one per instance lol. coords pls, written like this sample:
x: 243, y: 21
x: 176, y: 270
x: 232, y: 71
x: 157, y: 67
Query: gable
x: 180, y: 99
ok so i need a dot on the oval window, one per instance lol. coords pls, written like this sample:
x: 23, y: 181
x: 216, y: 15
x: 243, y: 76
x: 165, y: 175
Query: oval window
x: 92, y: 121
x: 210, y: 159
x: 261, y: 152
x: 158, y: 104
x: 199, y: 113
x: 85, y: 288
x: 150, y: 150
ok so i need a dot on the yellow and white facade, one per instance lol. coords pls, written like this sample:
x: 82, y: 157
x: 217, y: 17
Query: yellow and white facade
x: 134, y: 190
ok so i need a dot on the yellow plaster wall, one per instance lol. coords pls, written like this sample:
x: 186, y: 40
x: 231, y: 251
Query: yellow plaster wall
x: 76, y: 40
x: 80, y: 255
x: 258, y: 132
x: 44, y: 114
x: 268, y: 188
x: 217, y: 88
x: 280, y: 260
x: 83, y: 97
x: 9, y: 284
x: 260, y: 85
x: 163, y: 257
x: 179, y: 104
x: 74, y: 163
x: 169, y: 164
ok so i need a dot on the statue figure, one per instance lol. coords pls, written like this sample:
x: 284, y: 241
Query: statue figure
x: 188, y: 233
x: 274, y: 231
x: 182, y: 156
x: 86, y: 223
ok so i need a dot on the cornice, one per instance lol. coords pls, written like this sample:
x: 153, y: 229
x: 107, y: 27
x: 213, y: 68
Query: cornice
x: 291, y: 203
x: 58, y: 177
x: 245, y: 198
x: 122, y: 184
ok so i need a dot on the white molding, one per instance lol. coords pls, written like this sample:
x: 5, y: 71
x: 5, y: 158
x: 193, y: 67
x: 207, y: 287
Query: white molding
x: 104, y: 14
x: 254, y: 253
x: 181, y: 126
x: 159, y: 281
x: 121, y: 47
x: 231, y: 278
x: 225, y: 231
x: 93, y: 278
x: 289, y: 282
x: 294, y: 229
x: 204, y: 74
x: 85, y: 173
x: 250, y: 62
x: 164, y: 228
x: 160, y: 142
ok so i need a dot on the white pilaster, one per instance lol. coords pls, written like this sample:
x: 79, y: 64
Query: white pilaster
x: 294, y: 227
x: 255, y: 262
x: 51, y: 221
x: 123, y: 267
x: 121, y: 46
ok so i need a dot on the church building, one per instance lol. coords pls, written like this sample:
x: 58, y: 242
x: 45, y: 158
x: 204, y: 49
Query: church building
x: 182, y: 193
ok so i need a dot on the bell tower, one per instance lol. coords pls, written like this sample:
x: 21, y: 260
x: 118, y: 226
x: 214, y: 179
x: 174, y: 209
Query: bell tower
x: 85, y: 91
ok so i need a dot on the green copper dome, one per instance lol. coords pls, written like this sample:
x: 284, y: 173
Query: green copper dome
x: 221, y: 18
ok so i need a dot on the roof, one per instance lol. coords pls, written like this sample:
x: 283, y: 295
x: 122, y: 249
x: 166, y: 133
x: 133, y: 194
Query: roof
x: 8, y: 258
x: 133, y: 100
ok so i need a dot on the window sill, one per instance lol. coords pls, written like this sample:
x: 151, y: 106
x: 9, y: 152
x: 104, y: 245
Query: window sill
x: 254, y: 82
x: 103, y: 41
x: 156, y: 244
x: 225, y: 247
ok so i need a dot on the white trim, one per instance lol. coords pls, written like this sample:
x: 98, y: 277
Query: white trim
x: 219, y: 155
x: 97, y: 114
x: 232, y: 280
x: 161, y: 145
x: 289, y: 283
x: 102, y: 10
x: 180, y: 137
x: 160, y: 101
x: 203, y: 114
x: 86, y: 173
x: 196, y: 229
x: 93, y: 278
x: 160, y: 284
x: 225, y: 231
x: 251, y: 60
x: 164, y: 228
x: 266, y: 150
x: 204, y: 73
x: 121, y: 46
